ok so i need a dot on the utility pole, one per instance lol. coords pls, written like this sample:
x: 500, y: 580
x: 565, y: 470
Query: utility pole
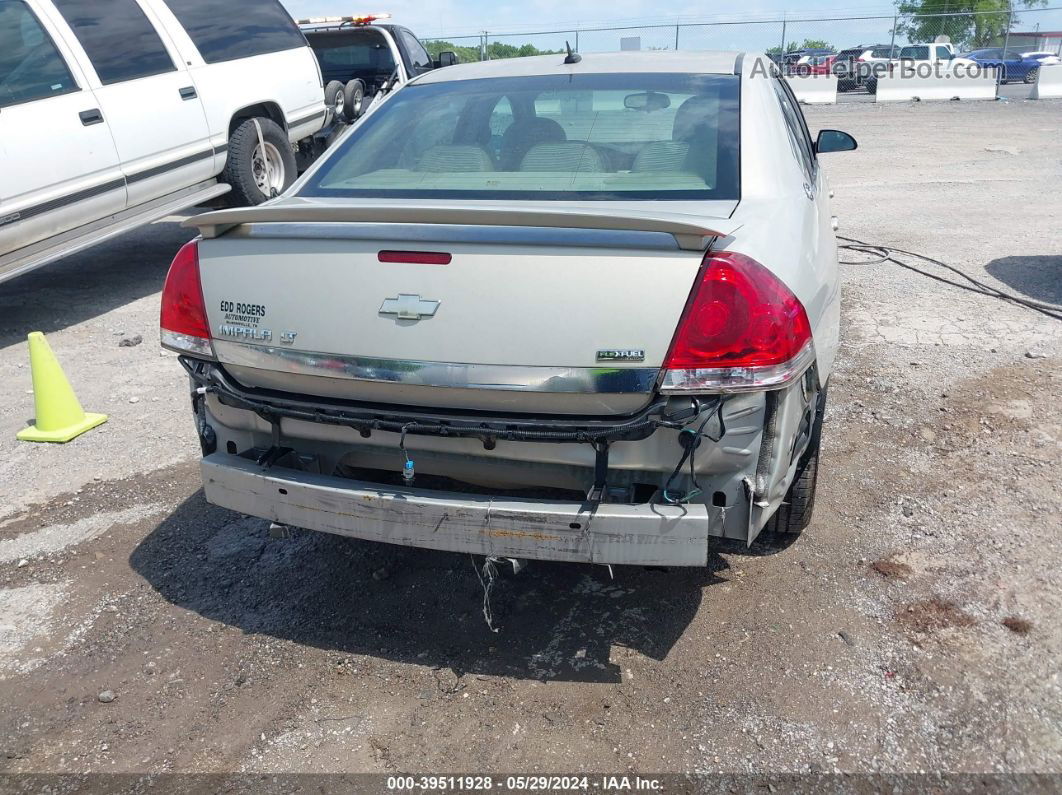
x: 892, y: 42
x: 1006, y: 38
x: 783, y: 37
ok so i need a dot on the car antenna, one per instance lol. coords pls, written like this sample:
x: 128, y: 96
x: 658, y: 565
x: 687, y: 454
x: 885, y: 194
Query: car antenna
x: 572, y: 56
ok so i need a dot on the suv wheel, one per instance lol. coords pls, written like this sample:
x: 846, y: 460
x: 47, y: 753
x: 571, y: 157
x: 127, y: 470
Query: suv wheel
x: 794, y: 514
x: 257, y: 169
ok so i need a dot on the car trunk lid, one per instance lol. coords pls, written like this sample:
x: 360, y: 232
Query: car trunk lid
x: 541, y: 310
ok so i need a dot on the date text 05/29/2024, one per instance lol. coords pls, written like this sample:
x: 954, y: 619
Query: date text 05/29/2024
x: 517, y: 783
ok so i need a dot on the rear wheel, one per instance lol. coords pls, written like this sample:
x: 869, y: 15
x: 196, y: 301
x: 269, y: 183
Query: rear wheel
x: 353, y: 100
x: 334, y: 99
x: 794, y: 514
x: 1031, y: 75
x: 259, y: 169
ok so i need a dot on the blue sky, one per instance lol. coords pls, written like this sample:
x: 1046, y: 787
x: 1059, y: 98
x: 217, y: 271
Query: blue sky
x: 431, y: 18
x: 469, y: 16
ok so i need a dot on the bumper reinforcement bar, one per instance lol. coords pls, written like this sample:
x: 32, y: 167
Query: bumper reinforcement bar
x: 211, y: 378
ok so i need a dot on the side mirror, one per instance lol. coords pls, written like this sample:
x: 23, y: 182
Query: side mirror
x: 446, y: 58
x: 834, y: 141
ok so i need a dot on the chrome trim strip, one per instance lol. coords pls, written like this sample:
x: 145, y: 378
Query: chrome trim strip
x: 737, y: 379
x: 296, y: 123
x: 452, y: 375
x: 469, y: 233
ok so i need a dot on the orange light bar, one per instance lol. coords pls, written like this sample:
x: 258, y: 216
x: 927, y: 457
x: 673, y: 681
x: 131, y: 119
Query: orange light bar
x: 364, y: 19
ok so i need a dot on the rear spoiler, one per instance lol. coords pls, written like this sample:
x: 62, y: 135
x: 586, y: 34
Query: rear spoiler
x: 691, y: 233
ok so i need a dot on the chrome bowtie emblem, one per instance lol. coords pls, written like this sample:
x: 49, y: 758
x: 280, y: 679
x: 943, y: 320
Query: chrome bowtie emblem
x: 409, y: 307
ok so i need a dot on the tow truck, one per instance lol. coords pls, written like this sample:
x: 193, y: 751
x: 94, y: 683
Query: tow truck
x: 361, y: 58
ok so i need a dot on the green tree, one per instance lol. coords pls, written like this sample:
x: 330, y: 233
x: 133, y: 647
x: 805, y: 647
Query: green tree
x: 495, y: 50
x: 464, y: 54
x: 969, y: 24
x: 807, y: 44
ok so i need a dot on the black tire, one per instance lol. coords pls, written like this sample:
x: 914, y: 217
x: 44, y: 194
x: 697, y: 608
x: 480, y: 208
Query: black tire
x: 872, y: 87
x: 335, y: 100
x: 353, y: 100
x: 240, y: 168
x: 794, y: 514
x: 1031, y: 75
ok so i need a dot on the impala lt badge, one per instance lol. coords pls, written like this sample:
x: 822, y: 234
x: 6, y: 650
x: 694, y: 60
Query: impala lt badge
x: 621, y: 355
x: 409, y: 307
x: 245, y: 333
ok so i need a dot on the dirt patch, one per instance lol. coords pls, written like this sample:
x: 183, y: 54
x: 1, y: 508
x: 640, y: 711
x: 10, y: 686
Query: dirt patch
x: 1019, y: 626
x: 932, y: 615
x: 891, y: 569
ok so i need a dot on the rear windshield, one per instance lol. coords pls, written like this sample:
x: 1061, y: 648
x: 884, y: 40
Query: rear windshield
x: 915, y: 53
x: 597, y: 137
x: 355, y: 53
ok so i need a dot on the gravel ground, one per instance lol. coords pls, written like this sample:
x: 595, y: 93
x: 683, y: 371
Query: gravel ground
x: 915, y: 627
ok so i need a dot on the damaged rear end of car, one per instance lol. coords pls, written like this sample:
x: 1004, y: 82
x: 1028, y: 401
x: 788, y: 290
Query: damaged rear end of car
x: 509, y: 351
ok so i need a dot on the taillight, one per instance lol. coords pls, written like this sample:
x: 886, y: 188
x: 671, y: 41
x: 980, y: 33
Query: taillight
x: 183, y: 321
x: 742, y: 330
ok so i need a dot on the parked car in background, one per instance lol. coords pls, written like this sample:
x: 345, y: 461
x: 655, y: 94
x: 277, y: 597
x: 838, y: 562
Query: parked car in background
x: 1045, y: 58
x: 937, y: 52
x: 606, y: 339
x: 360, y: 58
x: 815, y: 65
x: 114, y: 113
x: 794, y: 59
x: 1012, y: 66
x: 855, y: 65
x: 942, y: 53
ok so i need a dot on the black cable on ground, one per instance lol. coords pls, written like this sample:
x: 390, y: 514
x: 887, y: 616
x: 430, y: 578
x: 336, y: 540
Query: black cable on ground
x: 888, y: 254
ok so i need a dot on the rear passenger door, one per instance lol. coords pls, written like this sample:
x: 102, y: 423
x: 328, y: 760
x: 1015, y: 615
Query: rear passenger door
x: 58, y: 164
x: 248, y: 54
x: 146, y: 95
x: 818, y: 248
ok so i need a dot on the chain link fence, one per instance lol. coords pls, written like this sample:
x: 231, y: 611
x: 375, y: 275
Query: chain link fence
x: 1021, y: 30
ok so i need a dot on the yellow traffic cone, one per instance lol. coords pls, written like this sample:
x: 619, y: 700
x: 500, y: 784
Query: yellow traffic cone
x: 59, y: 416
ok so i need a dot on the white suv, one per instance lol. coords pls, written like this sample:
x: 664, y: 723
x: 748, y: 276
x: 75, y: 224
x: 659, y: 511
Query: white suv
x: 114, y: 113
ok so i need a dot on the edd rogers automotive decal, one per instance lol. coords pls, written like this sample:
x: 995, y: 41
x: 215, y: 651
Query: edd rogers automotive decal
x: 243, y: 314
x: 242, y: 322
